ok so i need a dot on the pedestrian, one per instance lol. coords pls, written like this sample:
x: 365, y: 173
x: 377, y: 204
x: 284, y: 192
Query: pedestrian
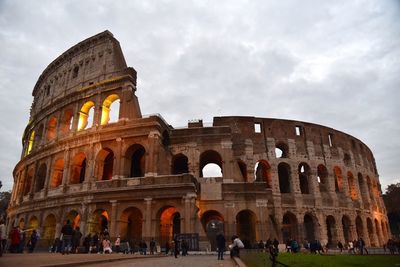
x: 117, y: 243
x: 185, y: 247
x: 351, y: 247
x: 106, y: 246
x: 22, y: 241
x: 32, y: 241
x: 340, y: 246
x: 152, y: 246
x: 261, y: 246
x: 235, y: 247
x: 275, y: 243
x: 86, y: 243
x: 3, y: 237
x: 15, y: 239
x: 66, y: 232
x: 176, y: 246
x: 76, y: 239
x: 221, y: 245
x: 95, y: 244
x: 167, y: 248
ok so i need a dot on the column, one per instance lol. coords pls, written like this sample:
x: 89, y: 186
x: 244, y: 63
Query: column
x: 152, y: 155
x: 147, y: 220
x: 67, y: 168
x: 113, y: 219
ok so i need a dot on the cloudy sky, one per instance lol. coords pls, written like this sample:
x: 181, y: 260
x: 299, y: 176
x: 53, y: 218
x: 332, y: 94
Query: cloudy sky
x: 335, y: 63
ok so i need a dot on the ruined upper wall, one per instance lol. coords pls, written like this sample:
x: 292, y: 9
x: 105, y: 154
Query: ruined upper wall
x: 95, y: 59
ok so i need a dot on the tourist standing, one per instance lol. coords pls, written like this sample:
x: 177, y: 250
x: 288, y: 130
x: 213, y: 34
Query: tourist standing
x: 117, y: 243
x: 33, y: 240
x: 176, y: 246
x: 221, y: 245
x: 152, y: 246
x: 106, y: 246
x: 76, y: 240
x: 167, y: 248
x: 67, y: 232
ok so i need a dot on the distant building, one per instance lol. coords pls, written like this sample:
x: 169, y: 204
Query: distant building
x: 140, y: 178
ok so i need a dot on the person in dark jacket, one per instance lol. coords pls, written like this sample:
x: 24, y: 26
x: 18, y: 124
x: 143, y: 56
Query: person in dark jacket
x: 33, y: 240
x: 76, y: 239
x: 67, y: 232
x: 221, y: 245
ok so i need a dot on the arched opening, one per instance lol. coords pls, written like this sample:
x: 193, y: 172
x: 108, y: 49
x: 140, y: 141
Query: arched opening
x: 33, y: 224
x: 210, y: 164
x: 359, y: 227
x: 41, y: 177
x: 338, y: 179
x: 39, y: 135
x: 378, y: 232
x: 284, y: 177
x: 136, y: 160
x: 213, y: 224
x: 86, y: 116
x: 331, y: 231
x: 28, y: 181
x: 304, y: 174
x: 322, y: 178
x: 180, y: 164
x: 352, y: 186
x: 281, y: 150
x: 66, y: 121
x: 346, y: 223
x: 246, y: 227
x: 78, y: 168
x: 98, y: 221
x: 370, y: 229
x: 52, y: 129
x: 263, y: 172
x: 74, y: 217
x: 58, y: 170
x: 110, y: 109
x: 309, y: 228
x: 30, y: 142
x: 289, y: 227
x: 170, y: 224
x: 21, y: 223
x: 243, y: 170
x: 131, y: 225
x: 105, y: 164
x: 49, y: 228
x: 363, y: 188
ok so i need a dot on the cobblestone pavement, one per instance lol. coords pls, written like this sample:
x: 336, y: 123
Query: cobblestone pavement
x: 188, y: 261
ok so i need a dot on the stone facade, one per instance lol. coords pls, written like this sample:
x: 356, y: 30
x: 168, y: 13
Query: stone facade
x: 141, y: 178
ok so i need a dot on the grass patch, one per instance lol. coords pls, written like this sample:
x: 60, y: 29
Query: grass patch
x: 306, y: 260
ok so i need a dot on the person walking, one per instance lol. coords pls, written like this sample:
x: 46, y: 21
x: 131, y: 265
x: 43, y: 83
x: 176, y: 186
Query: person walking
x: 152, y: 246
x: 67, y: 232
x: 76, y: 240
x: 117, y: 243
x: 176, y: 246
x: 220, y: 245
x: 33, y: 240
x: 167, y: 247
x: 340, y: 246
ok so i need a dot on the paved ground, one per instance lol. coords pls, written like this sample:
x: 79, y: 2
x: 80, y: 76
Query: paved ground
x: 50, y: 259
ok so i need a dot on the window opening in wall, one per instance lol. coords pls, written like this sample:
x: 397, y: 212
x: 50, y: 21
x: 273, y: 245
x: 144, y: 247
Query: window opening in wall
x: 278, y: 153
x: 75, y: 72
x: 257, y: 127
x: 86, y: 116
x: 330, y: 138
x: 318, y: 179
x: 114, y: 111
x: 284, y: 177
x: 110, y: 109
x: 298, y: 130
x: 210, y: 164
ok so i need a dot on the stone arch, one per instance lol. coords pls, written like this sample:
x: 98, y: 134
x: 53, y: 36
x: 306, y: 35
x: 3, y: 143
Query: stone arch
x: 338, y: 179
x: 57, y: 175
x: 66, y: 121
x: 322, y: 178
x: 352, y: 186
x: 304, y: 173
x: 99, y: 221
x: 86, y: 115
x: 370, y: 229
x: 359, y: 227
x: 210, y: 158
x: 39, y: 135
x: 263, y: 172
x: 180, y: 164
x: 331, y: 231
x: 52, y: 129
x: 281, y: 150
x: 33, y: 224
x: 284, y: 177
x: 243, y: 169
x: 310, y: 227
x: 110, y: 109
x: 41, y: 177
x: 289, y: 227
x: 30, y: 142
x: 378, y: 232
x: 136, y: 160
x: 170, y: 223
x: 213, y: 224
x: 104, y: 164
x: 246, y: 227
x: 78, y: 168
x: 346, y: 225
x: 74, y: 217
x: 28, y: 181
x: 49, y: 228
x: 131, y: 224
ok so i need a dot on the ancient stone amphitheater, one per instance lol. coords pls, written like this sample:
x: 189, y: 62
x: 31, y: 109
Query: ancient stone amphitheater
x: 140, y: 177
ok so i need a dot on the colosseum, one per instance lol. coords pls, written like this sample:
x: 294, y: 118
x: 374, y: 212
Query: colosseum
x: 141, y: 178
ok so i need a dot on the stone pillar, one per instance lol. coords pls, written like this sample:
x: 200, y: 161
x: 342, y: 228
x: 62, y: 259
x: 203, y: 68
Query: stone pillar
x: 262, y: 205
x: 230, y: 221
x: 76, y: 118
x: 227, y: 162
x: 118, y: 158
x: 113, y: 219
x: 67, y: 169
x: 33, y: 181
x: 84, y: 217
x: 152, y: 155
x: 147, y: 220
x: 323, y: 236
x: 97, y: 111
x: 48, y: 175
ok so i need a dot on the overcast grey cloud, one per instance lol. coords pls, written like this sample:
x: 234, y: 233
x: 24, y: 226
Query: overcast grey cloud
x: 334, y: 63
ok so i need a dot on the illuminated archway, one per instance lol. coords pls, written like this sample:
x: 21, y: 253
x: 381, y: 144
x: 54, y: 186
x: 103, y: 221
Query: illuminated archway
x: 246, y: 227
x: 78, y: 168
x: 58, y: 170
x: 131, y: 225
x: 110, y: 109
x: 331, y: 230
x: 170, y: 224
x: 98, y: 221
x: 352, y: 186
x: 213, y: 224
x: 289, y: 227
x: 49, y: 228
x: 74, y: 217
x: 86, y: 116
x: 52, y: 129
x: 105, y: 164
x: 30, y: 142
x: 338, y: 179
